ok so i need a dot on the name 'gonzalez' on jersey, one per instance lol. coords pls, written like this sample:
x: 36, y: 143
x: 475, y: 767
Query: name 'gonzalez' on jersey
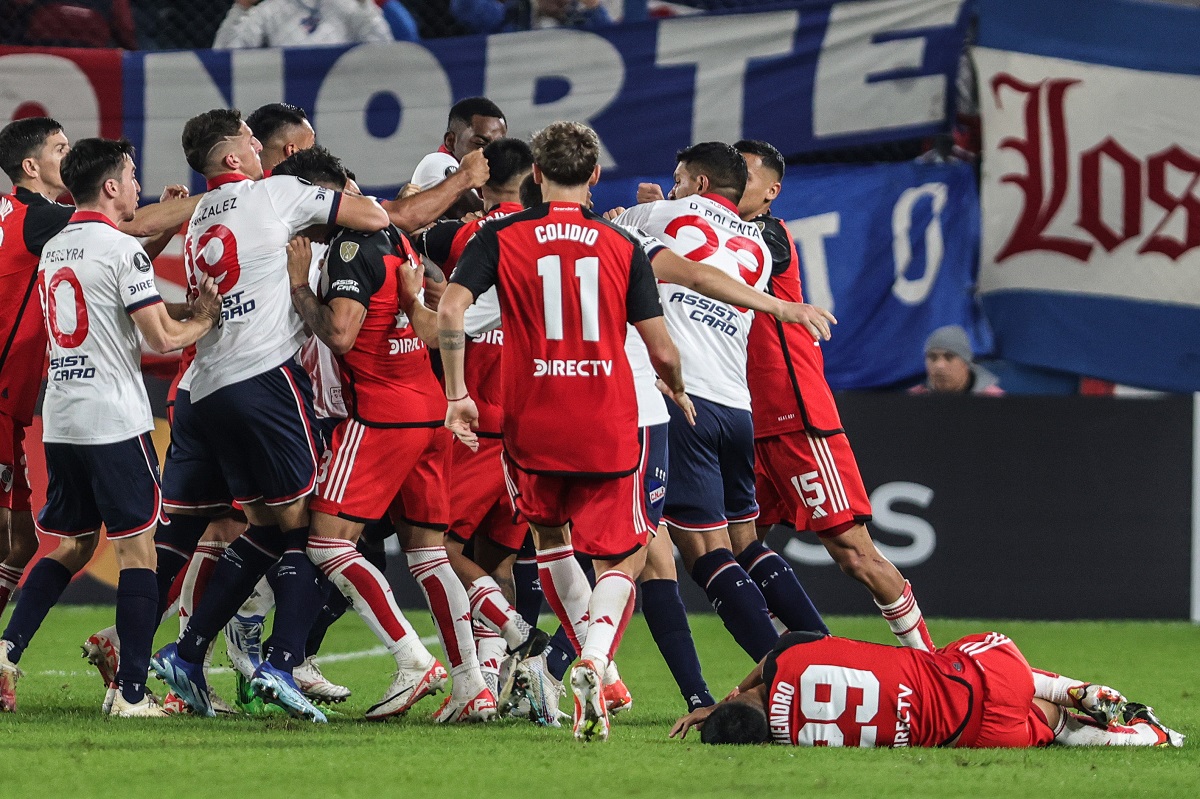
x: 568, y: 282
x: 711, y: 335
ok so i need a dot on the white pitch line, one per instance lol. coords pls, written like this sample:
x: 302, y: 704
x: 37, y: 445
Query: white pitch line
x: 335, y: 657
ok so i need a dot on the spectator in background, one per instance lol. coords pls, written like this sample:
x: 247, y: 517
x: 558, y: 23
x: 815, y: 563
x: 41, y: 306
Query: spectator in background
x: 300, y: 23
x: 950, y: 366
x: 498, y: 16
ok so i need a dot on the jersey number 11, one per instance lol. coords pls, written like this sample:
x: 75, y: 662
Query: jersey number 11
x: 587, y: 272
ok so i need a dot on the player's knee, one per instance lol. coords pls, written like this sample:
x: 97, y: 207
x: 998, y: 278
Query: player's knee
x: 736, y: 723
x: 74, y: 553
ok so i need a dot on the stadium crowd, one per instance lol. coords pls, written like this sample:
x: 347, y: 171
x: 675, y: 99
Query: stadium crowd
x: 539, y: 400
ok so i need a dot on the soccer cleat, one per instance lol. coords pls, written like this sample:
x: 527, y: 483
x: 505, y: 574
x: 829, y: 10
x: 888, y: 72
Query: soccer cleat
x: 277, y: 687
x: 103, y: 650
x: 146, y: 709
x: 315, y: 686
x: 110, y: 695
x: 532, y: 646
x: 173, y: 705
x: 1135, y: 713
x: 184, y: 678
x: 246, y: 699
x: 616, y: 696
x: 9, y: 674
x: 541, y: 692
x: 1101, y: 703
x: 408, y: 687
x: 243, y: 643
x: 591, y: 713
x: 482, y: 707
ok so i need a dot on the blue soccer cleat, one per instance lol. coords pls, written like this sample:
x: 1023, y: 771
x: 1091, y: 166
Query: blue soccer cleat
x: 185, y: 679
x: 277, y: 687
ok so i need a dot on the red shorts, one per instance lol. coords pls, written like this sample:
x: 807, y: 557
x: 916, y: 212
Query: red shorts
x: 479, y: 501
x: 1004, y: 682
x: 370, y: 472
x: 607, y: 515
x: 810, y: 482
x: 14, y: 471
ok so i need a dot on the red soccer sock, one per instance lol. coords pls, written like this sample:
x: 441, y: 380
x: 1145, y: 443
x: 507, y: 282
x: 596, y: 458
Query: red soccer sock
x: 9, y: 577
x: 195, y: 577
x: 566, y: 589
x: 489, y: 607
x: 609, y: 612
x: 906, y: 622
x: 447, y: 601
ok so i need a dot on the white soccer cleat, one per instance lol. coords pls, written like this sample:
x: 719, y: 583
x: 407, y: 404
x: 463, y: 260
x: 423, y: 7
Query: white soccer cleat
x: 9, y: 674
x: 116, y: 706
x: 591, y: 712
x: 408, y: 687
x: 243, y: 643
x: 541, y: 693
x: 1102, y: 703
x: 313, y: 684
x: 103, y: 650
x: 455, y: 710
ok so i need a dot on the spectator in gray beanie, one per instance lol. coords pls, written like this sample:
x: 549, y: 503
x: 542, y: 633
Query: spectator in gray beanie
x: 950, y: 366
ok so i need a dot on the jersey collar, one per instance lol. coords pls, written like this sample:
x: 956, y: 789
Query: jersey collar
x: 505, y: 208
x: 719, y: 200
x: 226, y: 177
x: 91, y: 216
x: 443, y: 149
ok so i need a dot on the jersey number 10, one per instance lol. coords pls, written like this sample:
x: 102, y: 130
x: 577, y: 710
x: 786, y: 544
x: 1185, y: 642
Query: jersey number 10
x: 587, y: 272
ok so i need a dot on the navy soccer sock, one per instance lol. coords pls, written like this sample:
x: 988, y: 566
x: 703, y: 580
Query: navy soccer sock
x: 45, y: 584
x: 298, y: 592
x: 241, y: 566
x: 785, y: 597
x: 737, y: 600
x: 668, y: 623
x: 527, y: 585
x: 560, y: 654
x: 334, y: 607
x: 137, y: 617
x: 174, y: 543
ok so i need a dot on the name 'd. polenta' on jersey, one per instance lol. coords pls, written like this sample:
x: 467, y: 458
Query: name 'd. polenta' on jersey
x: 558, y: 367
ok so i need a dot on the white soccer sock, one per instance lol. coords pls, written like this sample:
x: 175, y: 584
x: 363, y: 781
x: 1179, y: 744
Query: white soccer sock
x: 489, y: 607
x: 199, y: 569
x: 260, y: 601
x: 368, y: 590
x: 448, y: 602
x: 491, y: 649
x: 906, y: 622
x: 1053, y: 687
x: 566, y: 589
x: 609, y: 611
x: 1075, y: 730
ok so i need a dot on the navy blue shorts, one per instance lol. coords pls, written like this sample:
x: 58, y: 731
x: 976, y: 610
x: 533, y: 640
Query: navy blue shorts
x: 654, y: 480
x: 262, y: 431
x: 192, y: 477
x: 324, y: 428
x: 92, y: 484
x: 712, y: 468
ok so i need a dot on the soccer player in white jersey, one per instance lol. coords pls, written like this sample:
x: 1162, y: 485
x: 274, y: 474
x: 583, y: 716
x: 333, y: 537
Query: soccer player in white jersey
x: 712, y: 463
x: 97, y: 291
x: 254, y: 398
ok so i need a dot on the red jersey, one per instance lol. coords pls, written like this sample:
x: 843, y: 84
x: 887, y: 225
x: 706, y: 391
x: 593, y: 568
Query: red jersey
x: 840, y: 692
x: 443, y: 244
x: 785, y: 368
x: 387, y: 380
x: 568, y: 282
x: 27, y: 221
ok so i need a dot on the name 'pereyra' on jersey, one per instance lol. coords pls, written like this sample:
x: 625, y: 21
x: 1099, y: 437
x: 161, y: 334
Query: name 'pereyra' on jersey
x: 92, y: 277
x: 238, y: 235
x: 711, y: 335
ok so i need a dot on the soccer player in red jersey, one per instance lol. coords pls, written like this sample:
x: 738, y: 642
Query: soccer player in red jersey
x: 568, y: 283
x: 805, y: 471
x: 978, y: 692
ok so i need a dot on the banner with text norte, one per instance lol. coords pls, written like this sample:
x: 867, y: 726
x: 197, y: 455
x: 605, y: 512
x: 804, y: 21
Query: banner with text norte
x: 821, y: 76
x: 890, y: 248
x: 1090, y: 258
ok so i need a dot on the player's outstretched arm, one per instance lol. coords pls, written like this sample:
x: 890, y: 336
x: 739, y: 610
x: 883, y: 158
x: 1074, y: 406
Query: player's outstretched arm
x: 165, y: 334
x: 462, y: 417
x: 664, y: 356
x: 160, y: 217
x: 337, y: 324
x: 423, y: 208
x: 361, y: 213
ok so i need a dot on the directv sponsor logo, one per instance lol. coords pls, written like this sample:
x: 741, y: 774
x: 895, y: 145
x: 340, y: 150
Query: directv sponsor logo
x: 556, y: 367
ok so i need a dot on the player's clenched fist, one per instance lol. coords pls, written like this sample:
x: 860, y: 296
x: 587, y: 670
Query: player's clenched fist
x: 475, y: 165
x: 649, y: 192
x: 207, y: 303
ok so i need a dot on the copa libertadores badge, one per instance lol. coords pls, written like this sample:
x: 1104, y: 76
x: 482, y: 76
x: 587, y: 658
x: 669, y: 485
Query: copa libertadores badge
x: 348, y: 250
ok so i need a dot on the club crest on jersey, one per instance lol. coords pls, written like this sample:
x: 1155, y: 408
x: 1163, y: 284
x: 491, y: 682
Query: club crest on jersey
x: 6, y: 478
x: 348, y: 250
x: 141, y: 262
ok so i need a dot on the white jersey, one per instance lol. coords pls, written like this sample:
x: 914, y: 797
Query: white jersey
x: 91, y: 278
x: 316, y: 357
x: 292, y: 23
x: 711, y: 335
x: 433, y: 169
x: 238, y: 235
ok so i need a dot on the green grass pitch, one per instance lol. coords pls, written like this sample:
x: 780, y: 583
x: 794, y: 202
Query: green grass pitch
x: 57, y: 744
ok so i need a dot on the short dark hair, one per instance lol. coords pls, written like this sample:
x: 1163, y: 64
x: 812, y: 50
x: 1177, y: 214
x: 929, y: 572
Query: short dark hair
x: 90, y: 163
x: 531, y: 192
x: 205, y: 131
x: 272, y: 118
x: 567, y: 152
x: 736, y: 723
x: 772, y: 159
x: 463, y: 110
x: 316, y: 165
x: 723, y: 165
x: 21, y: 139
x: 507, y: 158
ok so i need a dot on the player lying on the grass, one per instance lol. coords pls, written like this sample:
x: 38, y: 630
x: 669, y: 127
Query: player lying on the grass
x: 978, y: 691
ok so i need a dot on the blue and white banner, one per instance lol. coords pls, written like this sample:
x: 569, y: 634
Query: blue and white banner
x: 1090, y: 256
x: 891, y: 249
